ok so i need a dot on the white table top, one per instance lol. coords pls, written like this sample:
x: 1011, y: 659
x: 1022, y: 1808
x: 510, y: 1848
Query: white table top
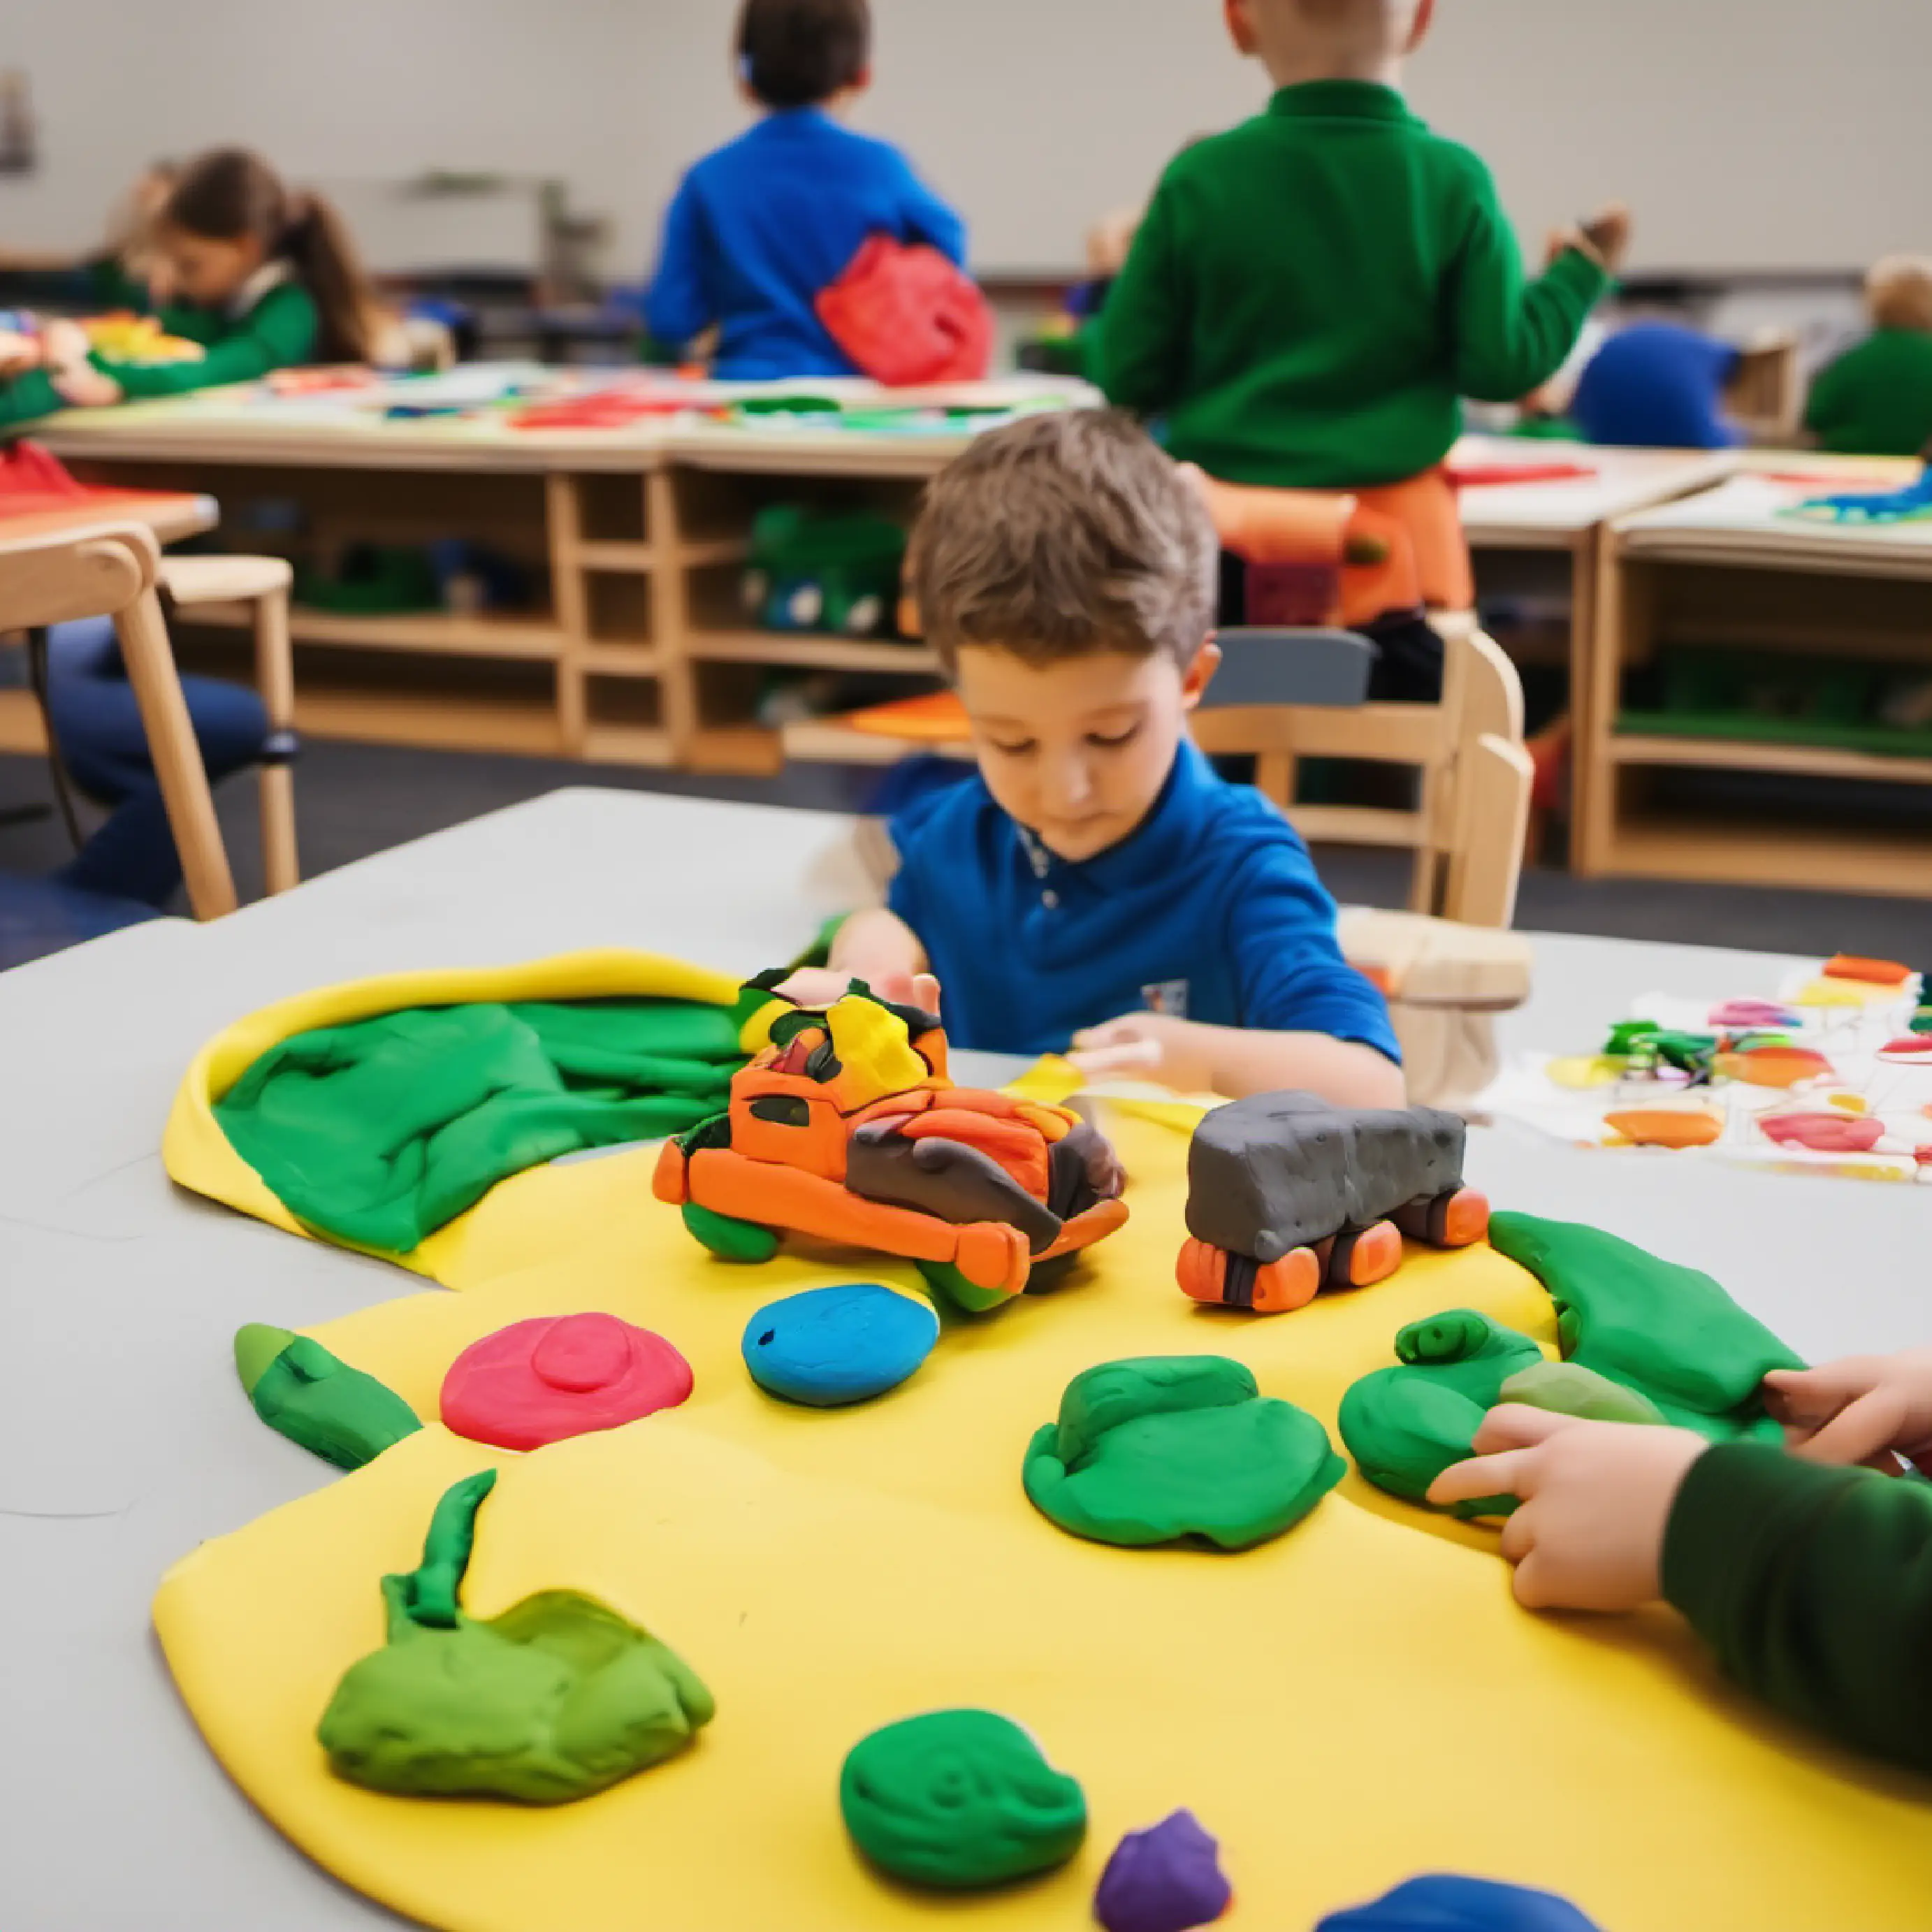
x: 1747, y: 520
x: 1557, y: 514
x: 122, y: 1439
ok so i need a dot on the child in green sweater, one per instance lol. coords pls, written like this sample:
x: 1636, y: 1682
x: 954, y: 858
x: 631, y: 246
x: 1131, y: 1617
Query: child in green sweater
x: 1810, y: 1576
x: 1312, y: 293
x: 262, y: 276
x: 1876, y: 399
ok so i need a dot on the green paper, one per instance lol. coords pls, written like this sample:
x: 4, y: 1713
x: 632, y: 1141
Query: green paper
x: 314, y: 1398
x: 379, y: 1132
x: 960, y: 1799
x: 1567, y: 1388
x: 1153, y: 1450
x: 556, y: 1698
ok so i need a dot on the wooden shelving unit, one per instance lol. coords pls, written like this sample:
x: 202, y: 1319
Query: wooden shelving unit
x: 1729, y: 571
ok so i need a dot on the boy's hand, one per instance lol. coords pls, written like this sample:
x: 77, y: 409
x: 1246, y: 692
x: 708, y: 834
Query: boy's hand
x: 1596, y: 1499
x: 819, y: 986
x: 63, y: 344
x: 1866, y: 1409
x: 1606, y: 237
x: 1145, y: 1046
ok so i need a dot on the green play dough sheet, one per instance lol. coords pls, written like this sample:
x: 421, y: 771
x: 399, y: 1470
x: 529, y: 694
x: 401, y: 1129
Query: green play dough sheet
x: 1675, y: 1346
x: 380, y: 1131
x: 1166, y: 1447
x: 557, y: 1698
x: 959, y: 1799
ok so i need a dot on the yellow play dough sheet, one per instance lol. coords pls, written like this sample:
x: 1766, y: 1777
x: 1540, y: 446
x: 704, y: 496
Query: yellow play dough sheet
x: 1352, y: 1704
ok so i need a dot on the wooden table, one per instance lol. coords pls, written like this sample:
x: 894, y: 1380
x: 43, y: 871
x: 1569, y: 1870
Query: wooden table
x: 1730, y: 568
x: 171, y: 515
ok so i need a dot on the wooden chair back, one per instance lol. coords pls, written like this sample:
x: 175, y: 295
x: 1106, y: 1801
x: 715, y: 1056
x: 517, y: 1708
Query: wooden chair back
x: 112, y: 572
x: 1467, y: 824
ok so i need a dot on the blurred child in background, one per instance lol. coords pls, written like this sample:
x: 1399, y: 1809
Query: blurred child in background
x: 262, y: 276
x: 760, y: 228
x: 1312, y: 293
x: 1876, y: 399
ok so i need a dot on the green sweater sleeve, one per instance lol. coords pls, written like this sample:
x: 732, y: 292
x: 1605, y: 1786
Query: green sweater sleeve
x: 1813, y: 1585
x: 1140, y: 351
x: 1512, y: 333
x: 29, y: 396
x: 1825, y: 407
x: 280, y: 331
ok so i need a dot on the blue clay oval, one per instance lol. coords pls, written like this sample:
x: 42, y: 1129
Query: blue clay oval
x: 833, y: 1345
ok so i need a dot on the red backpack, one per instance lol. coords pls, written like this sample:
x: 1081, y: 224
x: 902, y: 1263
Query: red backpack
x: 906, y: 315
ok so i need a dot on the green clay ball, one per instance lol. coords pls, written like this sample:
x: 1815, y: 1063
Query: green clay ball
x: 1168, y: 1447
x: 959, y: 1799
x: 1566, y: 1388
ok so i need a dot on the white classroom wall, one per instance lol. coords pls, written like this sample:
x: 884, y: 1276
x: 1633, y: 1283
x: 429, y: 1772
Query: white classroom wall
x: 1748, y: 134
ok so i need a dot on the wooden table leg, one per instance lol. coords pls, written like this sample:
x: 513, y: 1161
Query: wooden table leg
x: 275, y: 679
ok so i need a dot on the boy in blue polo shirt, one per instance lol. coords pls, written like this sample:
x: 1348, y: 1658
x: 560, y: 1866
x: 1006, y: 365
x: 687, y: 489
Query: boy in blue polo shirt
x: 1097, y: 884
x: 759, y: 227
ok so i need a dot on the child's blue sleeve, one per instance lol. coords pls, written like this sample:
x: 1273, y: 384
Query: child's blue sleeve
x: 928, y: 219
x: 1288, y: 963
x: 677, y: 307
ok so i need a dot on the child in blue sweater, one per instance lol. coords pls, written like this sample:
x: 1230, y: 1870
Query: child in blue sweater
x: 761, y: 225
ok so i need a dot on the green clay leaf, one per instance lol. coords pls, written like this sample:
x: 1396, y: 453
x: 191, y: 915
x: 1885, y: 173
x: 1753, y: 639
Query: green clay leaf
x: 256, y: 1345
x: 316, y: 1400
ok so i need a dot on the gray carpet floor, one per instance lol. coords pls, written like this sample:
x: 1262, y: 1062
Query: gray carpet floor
x: 354, y: 800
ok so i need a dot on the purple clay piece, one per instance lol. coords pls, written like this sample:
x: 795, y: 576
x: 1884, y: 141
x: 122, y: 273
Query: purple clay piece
x: 1165, y: 1879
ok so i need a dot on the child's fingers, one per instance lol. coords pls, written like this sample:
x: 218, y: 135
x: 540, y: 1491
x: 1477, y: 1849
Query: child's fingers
x: 925, y: 992
x: 1515, y: 1425
x: 1130, y: 1056
x: 1860, y: 1430
x: 1110, y: 1032
x: 1512, y: 1473
x: 1519, y: 1536
x: 1537, y: 1584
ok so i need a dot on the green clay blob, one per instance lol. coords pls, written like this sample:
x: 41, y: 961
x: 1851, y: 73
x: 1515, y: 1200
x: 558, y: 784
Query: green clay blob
x: 959, y: 1799
x: 556, y: 1698
x: 1567, y: 1388
x: 303, y: 1392
x: 1405, y: 1425
x: 1667, y: 1331
x: 1168, y: 1447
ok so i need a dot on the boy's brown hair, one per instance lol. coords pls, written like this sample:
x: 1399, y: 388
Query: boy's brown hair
x: 796, y: 53
x: 1060, y: 535
x: 1898, y: 293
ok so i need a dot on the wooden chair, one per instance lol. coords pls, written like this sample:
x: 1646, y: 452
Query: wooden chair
x: 115, y: 573
x: 260, y: 583
x: 1467, y: 826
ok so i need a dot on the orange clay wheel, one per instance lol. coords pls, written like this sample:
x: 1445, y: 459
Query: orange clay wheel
x: 1362, y: 1259
x: 1291, y: 1282
x: 1201, y: 1271
x: 1460, y: 1219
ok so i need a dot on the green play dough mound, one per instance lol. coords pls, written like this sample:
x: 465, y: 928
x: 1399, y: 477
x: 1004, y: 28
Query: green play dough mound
x: 1667, y: 1331
x: 959, y: 1798
x: 557, y: 1698
x: 1567, y: 1388
x: 316, y: 1399
x: 1405, y: 1425
x: 1646, y: 1340
x: 1151, y: 1450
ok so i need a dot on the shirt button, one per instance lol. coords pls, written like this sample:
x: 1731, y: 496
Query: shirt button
x: 1050, y: 900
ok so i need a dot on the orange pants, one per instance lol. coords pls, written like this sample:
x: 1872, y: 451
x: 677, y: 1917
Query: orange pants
x: 1425, y: 507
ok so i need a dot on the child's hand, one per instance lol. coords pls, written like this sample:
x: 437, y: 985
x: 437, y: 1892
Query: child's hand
x: 1596, y: 1499
x: 84, y: 387
x: 1607, y: 236
x: 818, y: 986
x: 1864, y: 1409
x: 63, y: 344
x: 17, y: 352
x: 1145, y: 1046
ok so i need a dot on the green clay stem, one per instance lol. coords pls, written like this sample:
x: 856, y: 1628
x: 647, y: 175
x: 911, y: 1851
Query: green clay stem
x: 431, y: 1592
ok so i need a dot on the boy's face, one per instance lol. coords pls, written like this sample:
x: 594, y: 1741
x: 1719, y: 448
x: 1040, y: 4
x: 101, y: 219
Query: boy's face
x: 1077, y: 751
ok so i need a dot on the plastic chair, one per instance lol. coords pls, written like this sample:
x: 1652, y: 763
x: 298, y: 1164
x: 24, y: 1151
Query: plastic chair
x: 115, y: 573
x: 262, y: 584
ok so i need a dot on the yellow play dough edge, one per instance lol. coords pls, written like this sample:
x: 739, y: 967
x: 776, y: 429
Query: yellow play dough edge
x: 200, y: 1156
